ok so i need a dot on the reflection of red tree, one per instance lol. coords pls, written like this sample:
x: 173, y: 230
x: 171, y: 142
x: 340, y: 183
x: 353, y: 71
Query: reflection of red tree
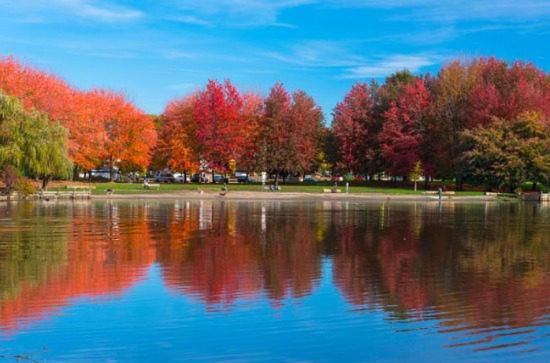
x: 94, y: 266
x: 227, y: 261
x: 218, y: 265
x: 399, y: 258
x: 467, y: 277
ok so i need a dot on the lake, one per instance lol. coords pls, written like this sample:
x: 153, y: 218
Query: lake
x: 274, y: 281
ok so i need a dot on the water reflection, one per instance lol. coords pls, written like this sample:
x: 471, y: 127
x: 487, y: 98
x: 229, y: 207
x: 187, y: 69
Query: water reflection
x: 478, y: 273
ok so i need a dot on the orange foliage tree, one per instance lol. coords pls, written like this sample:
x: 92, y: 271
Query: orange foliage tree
x: 103, y: 126
x: 177, y: 148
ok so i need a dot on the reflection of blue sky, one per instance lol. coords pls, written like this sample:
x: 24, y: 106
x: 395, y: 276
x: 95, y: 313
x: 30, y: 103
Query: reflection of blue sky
x: 151, y: 321
x: 157, y: 50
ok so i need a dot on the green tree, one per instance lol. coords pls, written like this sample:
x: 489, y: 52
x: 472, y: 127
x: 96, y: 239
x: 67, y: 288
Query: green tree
x: 31, y: 143
x: 508, y: 153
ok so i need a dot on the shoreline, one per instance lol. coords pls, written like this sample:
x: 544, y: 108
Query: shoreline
x: 250, y: 195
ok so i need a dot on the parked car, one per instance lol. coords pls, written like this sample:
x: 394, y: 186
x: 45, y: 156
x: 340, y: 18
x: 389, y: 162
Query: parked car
x: 162, y: 177
x: 243, y: 177
x: 181, y: 178
x: 199, y: 178
x: 104, y: 174
x: 220, y: 179
x: 310, y: 179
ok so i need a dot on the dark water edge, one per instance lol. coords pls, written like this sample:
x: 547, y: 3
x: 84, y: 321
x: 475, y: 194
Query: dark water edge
x: 274, y: 280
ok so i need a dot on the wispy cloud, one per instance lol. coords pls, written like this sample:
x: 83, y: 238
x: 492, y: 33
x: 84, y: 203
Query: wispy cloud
x: 190, y: 19
x: 84, y: 9
x: 456, y: 10
x: 386, y: 66
x: 240, y: 13
x: 346, y: 58
x: 318, y: 53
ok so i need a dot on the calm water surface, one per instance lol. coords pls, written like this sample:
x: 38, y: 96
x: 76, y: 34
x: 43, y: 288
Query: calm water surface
x: 290, y: 281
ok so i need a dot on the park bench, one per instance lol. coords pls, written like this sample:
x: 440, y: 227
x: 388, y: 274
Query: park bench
x: 272, y: 188
x: 80, y: 187
x: 332, y: 190
x: 232, y: 181
x: 82, y: 194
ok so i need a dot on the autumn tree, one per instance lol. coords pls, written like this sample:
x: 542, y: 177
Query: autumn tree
x: 177, y: 147
x: 468, y: 95
x: 61, y: 103
x: 252, y: 110
x: 508, y: 153
x: 305, y: 126
x: 401, y: 137
x: 290, y: 131
x: 221, y: 131
x: 129, y: 134
x: 416, y: 173
x: 356, y: 128
x: 275, y: 131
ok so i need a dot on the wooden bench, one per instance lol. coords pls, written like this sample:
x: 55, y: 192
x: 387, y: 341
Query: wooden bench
x: 79, y: 187
x: 232, y: 181
x: 84, y: 194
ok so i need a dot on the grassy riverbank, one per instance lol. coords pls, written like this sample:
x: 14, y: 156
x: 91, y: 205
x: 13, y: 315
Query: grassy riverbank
x: 128, y: 188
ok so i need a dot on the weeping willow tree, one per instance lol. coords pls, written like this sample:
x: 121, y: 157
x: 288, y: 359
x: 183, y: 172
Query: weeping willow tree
x: 31, y: 143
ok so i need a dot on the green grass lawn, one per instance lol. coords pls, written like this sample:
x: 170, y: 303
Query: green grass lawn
x: 128, y: 188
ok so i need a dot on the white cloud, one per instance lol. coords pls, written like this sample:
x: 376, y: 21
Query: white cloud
x: 318, y: 53
x: 394, y: 63
x: 241, y: 13
x: 85, y: 9
x: 456, y: 10
x: 191, y: 20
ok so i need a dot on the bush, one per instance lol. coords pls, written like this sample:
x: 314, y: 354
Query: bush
x: 25, y: 187
x: 9, y: 176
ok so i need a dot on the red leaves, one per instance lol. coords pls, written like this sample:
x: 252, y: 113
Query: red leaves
x: 221, y: 129
x: 290, y: 130
x: 353, y: 123
x: 401, y: 136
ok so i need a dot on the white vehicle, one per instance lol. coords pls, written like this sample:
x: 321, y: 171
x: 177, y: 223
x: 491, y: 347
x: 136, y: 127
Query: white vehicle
x: 180, y: 178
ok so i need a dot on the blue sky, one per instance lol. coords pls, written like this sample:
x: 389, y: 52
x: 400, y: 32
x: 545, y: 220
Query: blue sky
x: 155, y: 50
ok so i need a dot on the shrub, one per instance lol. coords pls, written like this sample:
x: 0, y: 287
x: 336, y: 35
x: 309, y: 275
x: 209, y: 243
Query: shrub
x: 9, y: 176
x: 25, y: 187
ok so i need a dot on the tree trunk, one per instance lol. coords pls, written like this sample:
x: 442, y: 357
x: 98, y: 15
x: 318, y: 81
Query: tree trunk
x: 111, y: 169
x: 534, y: 186
x: 415, y: 185
x: 45, y: 181
x: 459, y: 183
x: 213, y: 181
x: 184, y: 177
